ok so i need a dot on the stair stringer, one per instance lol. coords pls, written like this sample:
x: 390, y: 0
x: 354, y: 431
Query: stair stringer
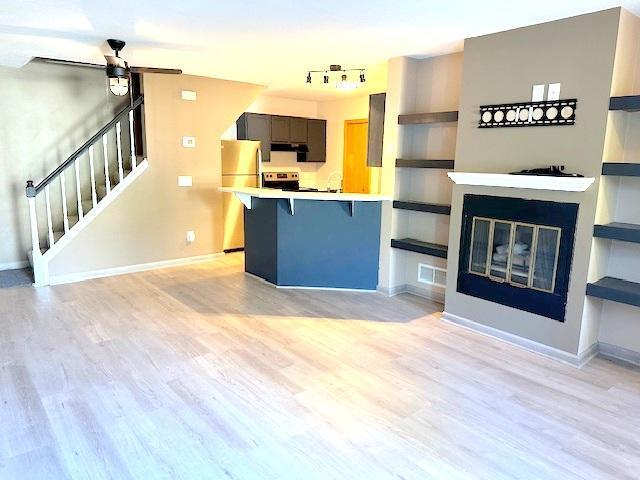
x: 41, y: 262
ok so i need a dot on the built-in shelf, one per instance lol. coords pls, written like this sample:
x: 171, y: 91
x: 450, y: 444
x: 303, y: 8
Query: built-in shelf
x: 438, y: 208
x: 418, y: 246
x: 535, y: 182
x: 615, y: 290
x: 427, y: 118
x: 626, y: 232
x: 420, y: 163
x: 629, y: 103
x: 621, y: 169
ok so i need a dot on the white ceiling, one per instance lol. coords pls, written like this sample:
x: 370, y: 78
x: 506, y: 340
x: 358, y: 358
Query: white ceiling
x: 270, y: 42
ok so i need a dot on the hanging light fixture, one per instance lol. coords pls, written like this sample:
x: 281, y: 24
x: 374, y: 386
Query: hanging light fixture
x: 342, y: 82
x: 117, y: 69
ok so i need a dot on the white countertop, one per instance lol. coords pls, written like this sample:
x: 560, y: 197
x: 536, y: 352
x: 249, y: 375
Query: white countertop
x: 275, y: 193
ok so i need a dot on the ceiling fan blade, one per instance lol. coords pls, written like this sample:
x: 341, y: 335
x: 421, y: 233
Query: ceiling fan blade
x: 169, y: 71
x: 73, y: 63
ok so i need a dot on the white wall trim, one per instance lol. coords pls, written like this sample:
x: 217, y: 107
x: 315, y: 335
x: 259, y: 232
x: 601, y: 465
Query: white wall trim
x: 14, y: 265
x: 614, y: 352
x: 535, y: 182
x: 141, y: 267
x: 392, y: 291
x: 575, y: 360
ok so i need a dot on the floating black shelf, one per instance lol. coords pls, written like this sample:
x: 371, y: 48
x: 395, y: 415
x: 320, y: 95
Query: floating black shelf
x: 423, y: 207
x: 630, y: 103
x: 621, y: 169
x: 625, y: 232
x: 615, y: 290
x: 418, y: 246
x: 421, y: 163
x: 427, y: 118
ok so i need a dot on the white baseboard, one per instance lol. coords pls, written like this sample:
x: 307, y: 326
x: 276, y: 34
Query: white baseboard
x: 413, y: 290
x: 141, y: 267
x: 392, y: 291
x: 621, y: 354
x: 14, y: 265
x: 575, y: 360
x: 330, y: 289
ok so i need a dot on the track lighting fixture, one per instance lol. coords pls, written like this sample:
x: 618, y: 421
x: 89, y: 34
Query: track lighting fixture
x: 342, y: 82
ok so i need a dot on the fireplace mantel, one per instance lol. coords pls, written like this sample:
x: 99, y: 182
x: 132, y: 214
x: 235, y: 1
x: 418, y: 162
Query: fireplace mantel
x: 536, y: 182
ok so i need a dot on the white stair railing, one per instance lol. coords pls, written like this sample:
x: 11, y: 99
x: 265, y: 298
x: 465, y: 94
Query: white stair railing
x: 33, y: 191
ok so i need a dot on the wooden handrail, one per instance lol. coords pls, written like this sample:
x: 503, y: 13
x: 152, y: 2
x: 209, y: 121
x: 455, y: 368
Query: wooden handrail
x: 32, y: 190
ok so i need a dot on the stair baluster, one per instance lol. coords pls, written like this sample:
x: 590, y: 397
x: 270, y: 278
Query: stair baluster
x: 78, y: 190
x: 119, y: 149
x: 132, y: 141
x: 94, y: 197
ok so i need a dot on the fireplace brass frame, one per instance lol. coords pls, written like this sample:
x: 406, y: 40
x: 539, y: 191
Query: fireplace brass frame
x: 512, y: 234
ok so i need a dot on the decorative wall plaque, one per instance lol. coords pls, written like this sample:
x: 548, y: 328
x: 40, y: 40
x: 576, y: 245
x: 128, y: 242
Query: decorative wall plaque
x: 529, y: 114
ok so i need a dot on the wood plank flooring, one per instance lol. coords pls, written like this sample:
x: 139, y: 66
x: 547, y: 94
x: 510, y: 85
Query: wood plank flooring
x: 202, y: 372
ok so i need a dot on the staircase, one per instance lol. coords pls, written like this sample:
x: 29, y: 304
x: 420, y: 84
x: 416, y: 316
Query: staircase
x: 72, y: 195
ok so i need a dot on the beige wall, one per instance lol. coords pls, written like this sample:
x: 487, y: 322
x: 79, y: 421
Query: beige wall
x: 47, y: 112
x: 149, y: 221
x: 335, y: 112
x: 500, y: 68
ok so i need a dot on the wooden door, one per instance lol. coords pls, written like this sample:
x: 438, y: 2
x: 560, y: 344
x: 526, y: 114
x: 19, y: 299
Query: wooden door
x: 355, y: 173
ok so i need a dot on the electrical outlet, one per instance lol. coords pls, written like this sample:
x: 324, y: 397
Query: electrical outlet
x: 553, y: 93
x: 191, y: 236
x: 189, y: 95
x: 189, y: 142
x: 185, y: 181
x: 537, y: 94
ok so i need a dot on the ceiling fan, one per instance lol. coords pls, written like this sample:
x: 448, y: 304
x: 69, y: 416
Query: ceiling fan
x: 117, y: 69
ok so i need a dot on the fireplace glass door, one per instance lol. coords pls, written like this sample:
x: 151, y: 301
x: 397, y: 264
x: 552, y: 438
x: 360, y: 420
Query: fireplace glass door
x: 521, y: 254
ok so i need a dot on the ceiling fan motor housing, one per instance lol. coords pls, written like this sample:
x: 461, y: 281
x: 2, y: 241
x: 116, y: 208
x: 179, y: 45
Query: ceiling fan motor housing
x: 116, y: 45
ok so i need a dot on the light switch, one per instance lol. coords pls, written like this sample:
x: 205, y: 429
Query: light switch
x: 537, y: 94
x: 554, y: 91
x: 189, y: 142
x: 189, y: 95
x: 185, y: 181
x: 191, y: 236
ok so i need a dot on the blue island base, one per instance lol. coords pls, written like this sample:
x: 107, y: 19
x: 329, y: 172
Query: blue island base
x: 322, y: 244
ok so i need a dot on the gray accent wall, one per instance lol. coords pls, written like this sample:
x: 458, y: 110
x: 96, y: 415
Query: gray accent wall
x: 578, y: 52
x: 47, y: 112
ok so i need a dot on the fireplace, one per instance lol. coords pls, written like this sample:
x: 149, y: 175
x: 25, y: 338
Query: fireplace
x: 517, y: 252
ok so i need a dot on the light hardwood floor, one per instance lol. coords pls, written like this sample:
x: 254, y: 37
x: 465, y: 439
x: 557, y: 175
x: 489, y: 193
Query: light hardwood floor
x: 202, y: 372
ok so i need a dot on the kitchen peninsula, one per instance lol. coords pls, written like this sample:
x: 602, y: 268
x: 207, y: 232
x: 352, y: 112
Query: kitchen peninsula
x: 311, y: 239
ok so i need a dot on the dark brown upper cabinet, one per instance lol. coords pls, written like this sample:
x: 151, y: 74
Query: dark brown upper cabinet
x: 316, y: 140
x: 376, y: 129
x: 280, y: 129
x: 256, y: 126
x: 298, y: 130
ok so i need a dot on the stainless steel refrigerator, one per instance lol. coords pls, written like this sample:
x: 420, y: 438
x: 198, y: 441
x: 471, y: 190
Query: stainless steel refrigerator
x: 240, y: 168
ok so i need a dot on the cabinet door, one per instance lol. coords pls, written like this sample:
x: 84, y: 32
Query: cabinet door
x: 376, y: 129
x: 317, y: 140
x: 280, y: 129
x: 254, y: 126
x: 298, y: 130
